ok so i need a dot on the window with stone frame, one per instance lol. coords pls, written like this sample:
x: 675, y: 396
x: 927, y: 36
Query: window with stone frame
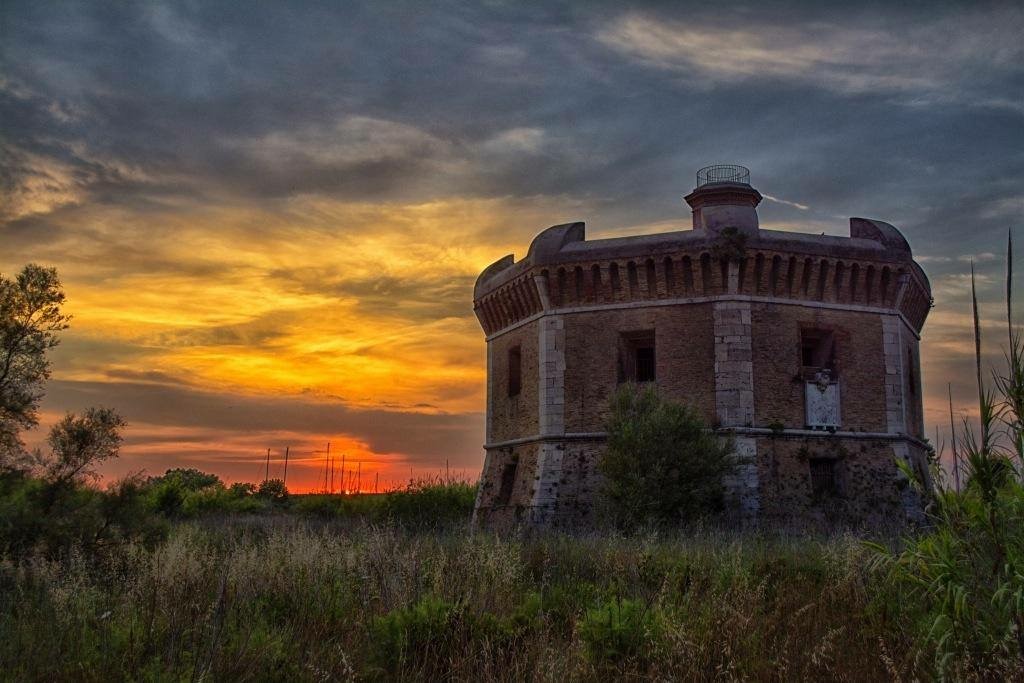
x: 515, y: 370
x: 824, y: 478
x: 637, y: 360
x: 817, y: 352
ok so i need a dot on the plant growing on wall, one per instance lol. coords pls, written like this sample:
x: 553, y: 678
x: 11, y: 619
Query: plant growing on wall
x: 731, y: 245
x: 662, y: 463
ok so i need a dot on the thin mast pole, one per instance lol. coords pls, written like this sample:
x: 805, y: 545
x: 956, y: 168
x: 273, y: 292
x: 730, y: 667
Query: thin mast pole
x: 285, y: 480
x: 266, y: 476
x: 344, y: 488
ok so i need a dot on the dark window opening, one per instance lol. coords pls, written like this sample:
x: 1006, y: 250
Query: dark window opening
x: 637, y: 362
x: 515, y: 371
x: 823, y: 477
x: 508, y: 482
x: 817, y: 352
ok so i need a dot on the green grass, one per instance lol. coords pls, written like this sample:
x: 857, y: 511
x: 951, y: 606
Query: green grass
x: 134, y: 583
x: 290, y: 598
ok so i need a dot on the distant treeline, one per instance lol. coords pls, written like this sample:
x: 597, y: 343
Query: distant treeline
x: 39, y: 514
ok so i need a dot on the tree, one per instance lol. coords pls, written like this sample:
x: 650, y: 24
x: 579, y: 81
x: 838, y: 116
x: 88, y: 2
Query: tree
x: 30, y: 317
x: 662, y: 463
x: 189, y: 478
x: 274, y: 489
x: 80, y: 443
x: 242, y: 489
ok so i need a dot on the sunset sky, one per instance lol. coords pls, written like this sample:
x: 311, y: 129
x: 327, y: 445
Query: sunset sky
x: 269, y: 216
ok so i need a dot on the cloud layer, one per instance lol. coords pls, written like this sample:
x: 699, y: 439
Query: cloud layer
x: 269, y: 218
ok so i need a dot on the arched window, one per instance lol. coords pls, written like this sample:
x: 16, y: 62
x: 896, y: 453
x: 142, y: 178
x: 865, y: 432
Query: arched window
x: 790, y: 276
x: 634, y: 281
x: 822, y: 278
x: 687, y: 275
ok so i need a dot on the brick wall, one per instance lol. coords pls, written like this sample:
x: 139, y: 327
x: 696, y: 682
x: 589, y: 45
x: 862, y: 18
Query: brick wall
x: 779, y: 391
x: 684, y: 357
x: 513, y: 417
x: 871, y: 490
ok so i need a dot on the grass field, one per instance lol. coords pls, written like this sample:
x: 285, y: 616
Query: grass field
x: 289, y: 598
x: 399, y: 587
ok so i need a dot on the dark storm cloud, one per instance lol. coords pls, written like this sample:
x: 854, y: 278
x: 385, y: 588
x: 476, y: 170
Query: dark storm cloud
x: 406, y: 102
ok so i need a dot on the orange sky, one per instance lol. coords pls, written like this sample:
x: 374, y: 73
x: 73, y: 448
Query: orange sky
x: 268, y: 218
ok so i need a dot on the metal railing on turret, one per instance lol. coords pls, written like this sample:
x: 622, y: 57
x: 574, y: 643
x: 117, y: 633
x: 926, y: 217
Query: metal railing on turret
x: 723, y: 173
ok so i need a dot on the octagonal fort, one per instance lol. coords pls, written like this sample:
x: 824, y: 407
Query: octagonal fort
x: 803, y: 348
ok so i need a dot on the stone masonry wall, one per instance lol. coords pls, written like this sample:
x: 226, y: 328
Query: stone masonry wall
x: 734, y: 380
x: 871, y: 490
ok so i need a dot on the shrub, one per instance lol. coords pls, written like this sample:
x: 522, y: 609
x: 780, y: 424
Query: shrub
x: 274, y: 489
x: 617, y: 630
x: 188, y: 479
x: 415, y: 638
x: 242, y: 489
x: 662, y: 463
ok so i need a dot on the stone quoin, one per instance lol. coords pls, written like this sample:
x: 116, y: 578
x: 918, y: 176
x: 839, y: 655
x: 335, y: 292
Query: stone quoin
x: 803, y: 348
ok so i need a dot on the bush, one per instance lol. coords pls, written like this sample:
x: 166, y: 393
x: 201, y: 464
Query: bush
x: 662, y: 463
x: 274, y: 490
x: 187, y: 479
x: 618, y: 630
x: 55, y: 517
x: 416, y: 638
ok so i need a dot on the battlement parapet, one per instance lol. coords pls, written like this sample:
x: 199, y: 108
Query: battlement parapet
x: 872, y: 268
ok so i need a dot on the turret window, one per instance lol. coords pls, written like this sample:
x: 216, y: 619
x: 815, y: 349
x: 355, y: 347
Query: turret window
x: 637, y: 361
x: 817, y: 352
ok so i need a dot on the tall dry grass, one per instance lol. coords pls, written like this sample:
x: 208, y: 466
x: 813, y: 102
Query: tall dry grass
x: 279, y: 599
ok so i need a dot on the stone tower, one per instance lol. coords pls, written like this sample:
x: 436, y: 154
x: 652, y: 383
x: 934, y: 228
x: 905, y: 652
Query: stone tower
x: 804, y: 348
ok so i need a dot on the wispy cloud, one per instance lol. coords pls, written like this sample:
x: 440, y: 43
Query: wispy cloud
x: 802, y: 207
x: 850, y: 58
